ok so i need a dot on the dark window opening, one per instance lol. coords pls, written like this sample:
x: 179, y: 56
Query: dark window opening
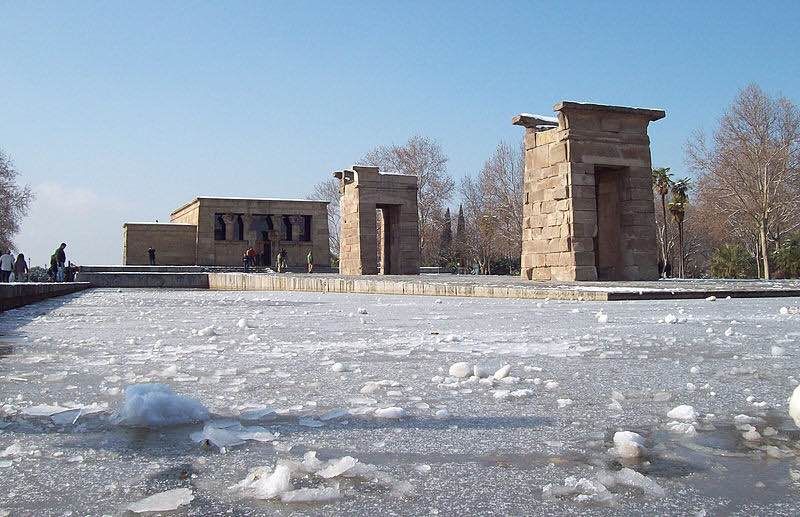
x: 287, y: 228
x: 306, y: 228
x: 219, y: 228
x: 239, y: 228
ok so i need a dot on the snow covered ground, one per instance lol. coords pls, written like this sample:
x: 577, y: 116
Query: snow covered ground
x: 329, y: 404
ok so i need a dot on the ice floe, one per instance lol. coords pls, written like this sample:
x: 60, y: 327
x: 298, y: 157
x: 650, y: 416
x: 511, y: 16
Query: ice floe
x: 163, y: 501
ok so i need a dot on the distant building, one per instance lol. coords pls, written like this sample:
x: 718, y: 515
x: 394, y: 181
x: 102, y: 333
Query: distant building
x: 216, y: 231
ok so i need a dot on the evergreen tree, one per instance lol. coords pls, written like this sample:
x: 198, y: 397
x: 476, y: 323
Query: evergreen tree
x: 461, y: 225
x: 461, y: 237
x: 446, y: 240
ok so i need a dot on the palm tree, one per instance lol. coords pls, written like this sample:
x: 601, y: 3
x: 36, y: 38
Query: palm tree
x: 732, y: 261
x: 677, y: 207
x: 662, y: 181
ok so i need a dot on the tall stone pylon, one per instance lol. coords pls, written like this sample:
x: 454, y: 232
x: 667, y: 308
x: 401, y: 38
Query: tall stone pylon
x: 365, y: 191
x: 588, y: 210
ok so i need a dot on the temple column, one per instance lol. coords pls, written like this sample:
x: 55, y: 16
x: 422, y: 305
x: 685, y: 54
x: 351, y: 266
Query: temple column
x: 249, y: 235
x: 230, y: 222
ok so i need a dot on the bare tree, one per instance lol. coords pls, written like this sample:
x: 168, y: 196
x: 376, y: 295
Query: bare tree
x: 493, y: 208
x: 502, y: 180
x: 14, y: 202
x: 328, y: 190
x: 424, y: 158
x: 750, y: 172
x: 477, y: 239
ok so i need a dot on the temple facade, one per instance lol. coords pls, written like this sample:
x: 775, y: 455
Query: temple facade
x: 216, y: 231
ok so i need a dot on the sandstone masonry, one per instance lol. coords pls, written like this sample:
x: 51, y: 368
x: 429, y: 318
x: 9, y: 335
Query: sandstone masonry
x: 588, y: 204
x: 364, y: 191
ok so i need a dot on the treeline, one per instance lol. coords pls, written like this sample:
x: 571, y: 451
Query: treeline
x: 738, y: 216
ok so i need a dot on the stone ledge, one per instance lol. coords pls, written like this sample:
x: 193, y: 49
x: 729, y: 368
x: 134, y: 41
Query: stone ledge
x: 21, y: 294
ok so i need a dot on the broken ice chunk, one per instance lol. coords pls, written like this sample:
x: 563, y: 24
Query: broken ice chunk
x: 460, y: 370
x: 682, y: 412
x: 44, y: 410
x: 631, y: 478
x: 220, y: 438
x: 207, y: 331
x: 257, y: 413
x: 794, y: 406
x: 262, y: 483
x: 390, y: 412
x: 12, y: 450
x: 163, y: 502
x: 337, y: 467
x: 311, y: 495
x: 66, y: 417
x: 156, y: 405
x: 682, y: 428
x: 502, y: 372
x: 628, y: 444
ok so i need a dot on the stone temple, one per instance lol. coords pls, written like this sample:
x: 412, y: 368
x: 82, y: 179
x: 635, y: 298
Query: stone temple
x: 216, y: 231
x: 588, y: 210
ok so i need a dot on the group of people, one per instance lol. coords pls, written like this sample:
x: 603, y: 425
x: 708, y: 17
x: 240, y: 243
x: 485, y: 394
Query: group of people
x: 16, y: 269
x: 249, y: 260
x: 13, y: 269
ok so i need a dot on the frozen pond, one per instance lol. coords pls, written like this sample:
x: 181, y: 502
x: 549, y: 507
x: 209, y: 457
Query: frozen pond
x: 276, y: 376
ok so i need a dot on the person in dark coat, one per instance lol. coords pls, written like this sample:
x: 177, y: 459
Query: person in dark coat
x: 151, y: 255
x: 61, y: 262
x: 21, y: 269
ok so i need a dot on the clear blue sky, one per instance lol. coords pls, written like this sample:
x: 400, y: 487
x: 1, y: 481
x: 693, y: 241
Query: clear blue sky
x: 122, y: 111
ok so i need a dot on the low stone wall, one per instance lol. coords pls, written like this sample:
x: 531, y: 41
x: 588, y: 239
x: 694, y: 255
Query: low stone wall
x: 18, y: 295
x: 141, y: 279
x: 143, y: 269
x: 376, y: 285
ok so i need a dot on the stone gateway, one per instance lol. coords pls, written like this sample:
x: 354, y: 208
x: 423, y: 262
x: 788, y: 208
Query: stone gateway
x: 364, y: 191
x: 588, y: 210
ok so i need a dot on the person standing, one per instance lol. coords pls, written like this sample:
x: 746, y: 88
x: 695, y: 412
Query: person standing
x: 6, y: 266
x: 246, y: 260
x: 310, y: 261
x: 151, y: 255
x: 21, y: 269
x: 61, y: 262
x: 279, y: 261
x: 251, y: 256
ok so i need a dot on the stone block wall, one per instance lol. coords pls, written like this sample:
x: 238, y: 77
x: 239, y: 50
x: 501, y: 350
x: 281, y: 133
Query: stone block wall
x: 588, y: 205
x: 364, y: 190
x: 174, y: 243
